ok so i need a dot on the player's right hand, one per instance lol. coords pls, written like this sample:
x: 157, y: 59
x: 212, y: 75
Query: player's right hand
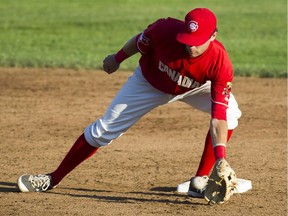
x: 110, y: 65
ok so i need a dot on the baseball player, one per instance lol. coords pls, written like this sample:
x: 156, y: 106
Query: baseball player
x: 181, y: 60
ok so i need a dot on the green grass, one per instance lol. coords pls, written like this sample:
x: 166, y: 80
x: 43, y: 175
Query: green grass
x: 80, y: 33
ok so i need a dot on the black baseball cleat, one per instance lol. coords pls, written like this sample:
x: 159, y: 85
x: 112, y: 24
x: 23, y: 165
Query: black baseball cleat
x: 35, y: 183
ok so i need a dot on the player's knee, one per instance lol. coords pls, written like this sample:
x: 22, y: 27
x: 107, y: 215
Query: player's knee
x: 232, y: 118
x: 94, y: 138
x: 233, y: 113
x: 99, y: 134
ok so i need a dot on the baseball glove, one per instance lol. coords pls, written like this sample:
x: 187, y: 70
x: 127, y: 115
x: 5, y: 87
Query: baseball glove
x: 221, y: 184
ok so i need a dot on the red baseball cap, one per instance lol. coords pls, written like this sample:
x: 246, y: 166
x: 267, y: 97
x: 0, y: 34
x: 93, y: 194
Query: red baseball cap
x: 200, y: 23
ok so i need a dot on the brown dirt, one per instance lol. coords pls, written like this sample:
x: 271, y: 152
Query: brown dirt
x: 44, y: 111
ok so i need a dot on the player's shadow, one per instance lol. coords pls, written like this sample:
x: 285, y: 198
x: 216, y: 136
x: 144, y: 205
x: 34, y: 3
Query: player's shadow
x: 155, y: 195
x: 163, y: 189
x: 8, y: 187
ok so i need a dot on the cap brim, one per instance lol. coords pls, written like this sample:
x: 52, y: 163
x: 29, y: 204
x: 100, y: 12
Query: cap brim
x: 190, y: 40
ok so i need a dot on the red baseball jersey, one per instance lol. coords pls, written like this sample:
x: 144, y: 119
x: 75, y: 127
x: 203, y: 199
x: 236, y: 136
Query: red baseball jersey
x: 169, y: 68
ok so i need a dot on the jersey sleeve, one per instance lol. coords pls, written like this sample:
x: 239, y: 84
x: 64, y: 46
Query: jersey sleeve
x: 144, y: 39
x: 220, y: 91
x: 143, y: 44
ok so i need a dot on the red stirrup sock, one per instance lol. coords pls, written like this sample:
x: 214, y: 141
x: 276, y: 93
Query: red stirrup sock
x: 208, y: 156
x: 80, y: 151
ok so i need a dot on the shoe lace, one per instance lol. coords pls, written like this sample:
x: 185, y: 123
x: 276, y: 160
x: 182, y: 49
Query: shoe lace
x: 41, y: 182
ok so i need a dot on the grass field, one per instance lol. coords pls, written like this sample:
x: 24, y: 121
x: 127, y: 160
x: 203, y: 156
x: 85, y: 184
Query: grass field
x: 80, y: 33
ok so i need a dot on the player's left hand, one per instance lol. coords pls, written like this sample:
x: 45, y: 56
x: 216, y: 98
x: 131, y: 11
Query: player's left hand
x: 110, y: 65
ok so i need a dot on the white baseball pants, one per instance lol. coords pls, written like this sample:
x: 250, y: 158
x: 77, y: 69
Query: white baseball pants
x: 137, y: 97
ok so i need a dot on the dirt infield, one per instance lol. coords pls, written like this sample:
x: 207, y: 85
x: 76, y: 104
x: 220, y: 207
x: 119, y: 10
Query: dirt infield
x: 44, y: 111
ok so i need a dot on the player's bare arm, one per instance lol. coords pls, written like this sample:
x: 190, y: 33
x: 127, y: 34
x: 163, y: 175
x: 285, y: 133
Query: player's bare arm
x: 112, y: 62
x: 218, y: 129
